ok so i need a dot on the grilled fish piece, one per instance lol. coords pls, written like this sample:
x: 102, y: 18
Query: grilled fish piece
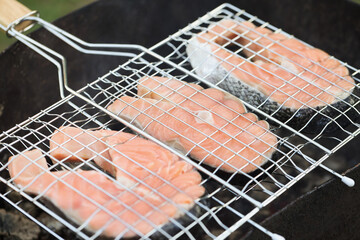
x: 281, y: 76
x: 91, y: 197
x: 240, y: 144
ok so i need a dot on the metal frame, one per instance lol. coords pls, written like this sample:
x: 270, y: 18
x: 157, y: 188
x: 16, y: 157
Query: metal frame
x: 88, y: 107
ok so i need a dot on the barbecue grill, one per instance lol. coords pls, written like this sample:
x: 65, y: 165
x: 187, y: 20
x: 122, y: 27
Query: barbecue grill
x: 86, y: 108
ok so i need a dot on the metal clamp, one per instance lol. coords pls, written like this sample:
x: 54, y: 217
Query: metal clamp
x: 18, y: 21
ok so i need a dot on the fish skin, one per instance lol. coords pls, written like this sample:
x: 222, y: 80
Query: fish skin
x: 310, y: 117
x: 173, y: 125
x: 29, y: 170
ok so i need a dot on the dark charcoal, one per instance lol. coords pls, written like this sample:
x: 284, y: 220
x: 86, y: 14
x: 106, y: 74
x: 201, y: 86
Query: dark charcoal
x: 14, y: 225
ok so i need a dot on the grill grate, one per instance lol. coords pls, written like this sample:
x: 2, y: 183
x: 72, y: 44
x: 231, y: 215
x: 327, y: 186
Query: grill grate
x: 239, y: 196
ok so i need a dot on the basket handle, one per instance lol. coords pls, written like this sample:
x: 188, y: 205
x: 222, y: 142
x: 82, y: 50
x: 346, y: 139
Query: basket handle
x: 11, y: 14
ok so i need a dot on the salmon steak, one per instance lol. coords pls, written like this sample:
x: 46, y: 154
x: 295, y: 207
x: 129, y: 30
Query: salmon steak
x: 125, y: 156
x: 152, y: 186
x: 210, y: 125
x: 280, y: 75
x: 75, y: 144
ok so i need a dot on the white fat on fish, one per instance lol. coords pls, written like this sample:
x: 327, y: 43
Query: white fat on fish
x: 201, y: 56
x: 176, y: 145
x: 148, y: 193
x: 125, y: 183
x: 209, y: 66
x: 203, y: 116
x: 291, y: 67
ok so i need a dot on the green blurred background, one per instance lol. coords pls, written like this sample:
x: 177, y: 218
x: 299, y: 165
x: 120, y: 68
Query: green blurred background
x: 49, y: 10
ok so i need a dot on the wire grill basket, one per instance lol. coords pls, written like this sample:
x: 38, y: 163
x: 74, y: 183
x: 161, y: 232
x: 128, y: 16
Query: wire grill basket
x: 238, y: 195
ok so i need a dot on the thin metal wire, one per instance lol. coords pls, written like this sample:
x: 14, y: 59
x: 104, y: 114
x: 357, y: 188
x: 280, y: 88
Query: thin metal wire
x: 233, y: 41
x: 71, y: 170
x: 207, y: 21
x: 88, y: 111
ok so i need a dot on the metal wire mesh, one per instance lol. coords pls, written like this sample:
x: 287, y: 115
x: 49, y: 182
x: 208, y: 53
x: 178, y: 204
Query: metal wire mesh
x: 206, y: 68
x: 37, y: 134
x: 232, y: 198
